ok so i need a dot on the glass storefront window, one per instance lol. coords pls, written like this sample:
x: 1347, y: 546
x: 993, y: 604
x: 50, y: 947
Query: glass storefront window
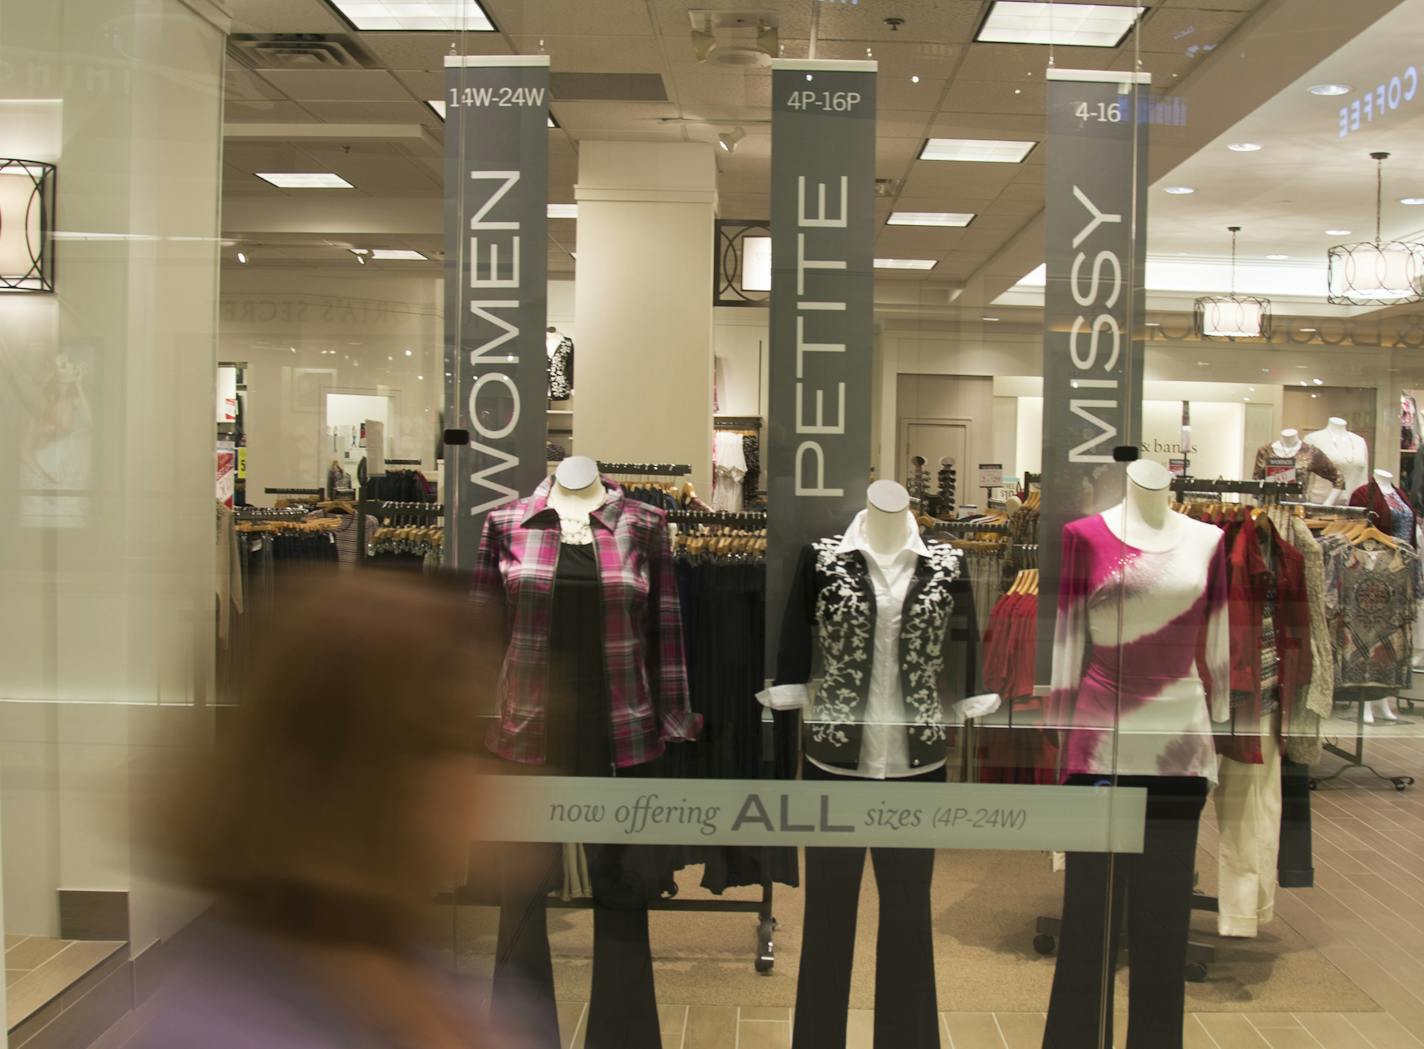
x: 820, y: 524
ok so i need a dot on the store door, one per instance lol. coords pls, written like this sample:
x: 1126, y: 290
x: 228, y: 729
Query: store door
x: 934, y: 439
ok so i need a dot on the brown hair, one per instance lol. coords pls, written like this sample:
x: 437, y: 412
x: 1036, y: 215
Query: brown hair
x: 313, y: 799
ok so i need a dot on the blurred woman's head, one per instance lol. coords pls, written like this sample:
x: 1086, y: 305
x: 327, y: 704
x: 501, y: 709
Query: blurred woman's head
x: 342, y: 786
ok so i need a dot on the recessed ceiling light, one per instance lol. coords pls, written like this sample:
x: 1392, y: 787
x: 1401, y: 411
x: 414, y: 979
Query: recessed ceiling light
x: 1330, y: 89
x: 396, y: 255
x: 1277, y: 258
x: 304, y: 180
x: 906, y: 264
x: 1153, y: 324
x: 977, y: 150
x: 914, y: 79
x: 1073, y: 25
x: 563, y: 211
x: 991, y: 320
x: 1244, y: 147
x: 1309, y: 330
x: 407, y: 353
x: 1413, y: 202
x: 414, y: 16
x: 1179, y: 191
x: 931, y: 218
x: 1318, y: 382
x: 242, y: 257
x: 1337, y: 233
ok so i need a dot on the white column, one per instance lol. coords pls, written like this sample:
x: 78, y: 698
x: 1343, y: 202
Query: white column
x: 643, y: 359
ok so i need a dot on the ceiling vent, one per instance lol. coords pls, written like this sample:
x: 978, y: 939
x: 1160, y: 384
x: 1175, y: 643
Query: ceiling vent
x: 298, y: 51
x: 608, y: 87
x: 735, y: 38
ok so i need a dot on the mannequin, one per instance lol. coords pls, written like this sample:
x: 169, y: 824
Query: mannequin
x: 1347, y: 451
x: 560, y: 349
x: 1320, y: 479
x: 1141, y: 635
x: 562, y: 570
x: 893, y: 618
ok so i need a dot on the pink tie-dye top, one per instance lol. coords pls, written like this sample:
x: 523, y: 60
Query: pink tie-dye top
x: 1141, y: 656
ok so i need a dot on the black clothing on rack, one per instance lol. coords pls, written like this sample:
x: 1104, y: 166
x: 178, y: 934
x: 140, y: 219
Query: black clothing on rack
x: 400, y: 486
x: 1156, y: 888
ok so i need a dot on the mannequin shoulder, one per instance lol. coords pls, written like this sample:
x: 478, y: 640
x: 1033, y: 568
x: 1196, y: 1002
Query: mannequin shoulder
x: 1201, y: 534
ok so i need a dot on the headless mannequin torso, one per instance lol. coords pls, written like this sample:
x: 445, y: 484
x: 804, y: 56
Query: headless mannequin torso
x: 1144, y: 519
x: 885, y: 520
x: 1289, y: 444
x: 577, y: 492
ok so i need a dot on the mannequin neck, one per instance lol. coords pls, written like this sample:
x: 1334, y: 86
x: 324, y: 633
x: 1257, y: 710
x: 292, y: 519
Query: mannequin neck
x: 552, y: 340
x: 1336, y: 427
x: 1144, y: 519
x: 887, y: 533
x: 576, y: 504
x: 1385, y: 481
x: 1289, y: 442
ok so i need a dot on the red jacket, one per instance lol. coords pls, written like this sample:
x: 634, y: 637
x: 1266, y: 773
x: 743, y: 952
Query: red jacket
x: 1371, y: 496
x: 1249, y: 582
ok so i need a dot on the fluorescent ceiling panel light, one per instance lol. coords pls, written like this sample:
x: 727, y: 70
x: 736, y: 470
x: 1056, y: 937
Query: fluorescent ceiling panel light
x: 1337, y: 233
x: 563, y: 211
x: 1330, y: 89
x: 1277, y: 258
x: 958, y: 219
x: 414, y: 16
x: 1413, y: 202
x: 906, y: 264
x: 304, y: 180
x: 1071, y: 25
x: 396, y: 255
x: 438, y: 104
x: 977, y: 150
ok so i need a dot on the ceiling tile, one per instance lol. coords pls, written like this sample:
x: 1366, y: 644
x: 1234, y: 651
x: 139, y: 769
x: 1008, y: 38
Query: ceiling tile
x: 428, y: 50
x: 901, y: 93
x: 793, y: 19
x: 242, y: 85
x: 571, y: 17
x: 1027, y: 97
x: 1185, y: 31
x: 596, y: 54
x: 589, y: 118
x: 373, y: 84
x: 284, y: 16
x: 341, y: 112
x: 936, y: 21
x: 239, y: 112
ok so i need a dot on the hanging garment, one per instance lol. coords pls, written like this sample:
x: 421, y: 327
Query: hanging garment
x: 561, y: 370
x: 1301, y: 725
x: 1370, y: 595
x: 1248, y: 815
x: 729, y: 470
x: 751, y: 484
x: 886, y: 697
x: 1390, y: 511
x: 1313, y: 469
x: 642, y: 624
x: 1141, y: 653
x: 1408, y: 423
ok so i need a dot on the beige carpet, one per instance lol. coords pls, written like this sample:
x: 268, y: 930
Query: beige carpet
x: 985, y: 904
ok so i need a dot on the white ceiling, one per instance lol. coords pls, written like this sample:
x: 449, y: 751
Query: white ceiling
x: 1208, y: 49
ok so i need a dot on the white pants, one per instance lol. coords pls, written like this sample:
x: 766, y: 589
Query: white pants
x: 1248, y: 815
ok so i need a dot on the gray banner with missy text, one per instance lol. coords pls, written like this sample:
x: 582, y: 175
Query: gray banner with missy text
x: 496, y: 288
x: 1094, y: 307
x: 859, y: 813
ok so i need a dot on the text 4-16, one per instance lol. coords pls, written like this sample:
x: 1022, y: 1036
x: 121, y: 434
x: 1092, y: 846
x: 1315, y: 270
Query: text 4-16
x: 505, y: 97
x: 826, y: 101
x: 1100, y: 112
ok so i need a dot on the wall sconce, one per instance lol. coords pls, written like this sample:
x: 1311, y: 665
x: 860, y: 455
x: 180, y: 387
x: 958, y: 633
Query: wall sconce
x: 26, y: 225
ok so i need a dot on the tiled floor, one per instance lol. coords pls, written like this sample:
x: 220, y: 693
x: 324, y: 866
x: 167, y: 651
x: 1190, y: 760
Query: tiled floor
x: 1365, y: 916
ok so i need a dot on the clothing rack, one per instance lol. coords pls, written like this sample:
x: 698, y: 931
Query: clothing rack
x: 319, y: 492
x: 1329, y: 510
x: 736, y: 422
x: 269, y: 513
x: 646, y: 469
x: 1356, y: 759
x: 402, y: 462
x: 380, y: 509
x: 992, y: 527
x: 1263, y: 488
x: 730, y: 518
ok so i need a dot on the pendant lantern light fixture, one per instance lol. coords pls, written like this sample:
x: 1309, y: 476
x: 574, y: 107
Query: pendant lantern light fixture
x: 1233, y: 316
x: 1378, y: 272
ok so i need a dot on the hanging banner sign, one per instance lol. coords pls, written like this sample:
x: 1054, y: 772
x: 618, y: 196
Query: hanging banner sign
x: 761, y: 812
x: 496, y: 288
x: 1094, y: 308
x: 822, y: 300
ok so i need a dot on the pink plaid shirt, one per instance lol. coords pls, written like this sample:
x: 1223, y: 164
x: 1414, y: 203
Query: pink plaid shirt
x: 642, y: 624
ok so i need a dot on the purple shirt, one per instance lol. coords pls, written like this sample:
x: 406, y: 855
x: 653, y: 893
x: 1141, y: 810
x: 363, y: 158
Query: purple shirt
x: 641, y: 625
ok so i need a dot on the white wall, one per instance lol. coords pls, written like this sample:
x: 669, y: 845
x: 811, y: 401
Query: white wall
x: 106, y: 482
